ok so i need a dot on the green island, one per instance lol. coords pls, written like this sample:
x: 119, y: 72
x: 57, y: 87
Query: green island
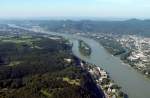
x: 84, y: 48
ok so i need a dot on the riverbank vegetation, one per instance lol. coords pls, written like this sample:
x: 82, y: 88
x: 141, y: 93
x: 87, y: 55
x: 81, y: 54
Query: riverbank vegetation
x: 111, y: 45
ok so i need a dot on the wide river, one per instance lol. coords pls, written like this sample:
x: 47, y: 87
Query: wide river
x: 132, y: 82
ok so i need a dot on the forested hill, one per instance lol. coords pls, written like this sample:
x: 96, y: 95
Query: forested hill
x: 41, y: 66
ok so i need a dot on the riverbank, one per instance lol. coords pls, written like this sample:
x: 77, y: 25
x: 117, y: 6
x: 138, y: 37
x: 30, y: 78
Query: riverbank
x: 144, y: 70
x: 125, y: 57
x: 103, y: 81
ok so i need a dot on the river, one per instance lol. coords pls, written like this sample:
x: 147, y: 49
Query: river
x: 132, y: 82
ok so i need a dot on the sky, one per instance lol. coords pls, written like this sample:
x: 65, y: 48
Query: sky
x: 75, y: 8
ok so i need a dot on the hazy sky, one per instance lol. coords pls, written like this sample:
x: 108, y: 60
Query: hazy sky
x: 75, y: 8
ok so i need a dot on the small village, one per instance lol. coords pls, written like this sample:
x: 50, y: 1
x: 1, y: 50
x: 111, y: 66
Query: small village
x: 103, y: 81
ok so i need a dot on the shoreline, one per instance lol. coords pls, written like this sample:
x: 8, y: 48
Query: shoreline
x: 128, y: 64
x: 103, y: 81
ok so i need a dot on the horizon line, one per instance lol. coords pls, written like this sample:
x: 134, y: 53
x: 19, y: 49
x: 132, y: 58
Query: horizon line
x: 73, y: 18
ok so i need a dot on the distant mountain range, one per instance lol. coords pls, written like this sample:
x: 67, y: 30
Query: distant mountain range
x: 132, y: 26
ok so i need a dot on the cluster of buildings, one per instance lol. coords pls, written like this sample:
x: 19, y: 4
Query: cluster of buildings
x: 103, y: 81
x: 140, y: 50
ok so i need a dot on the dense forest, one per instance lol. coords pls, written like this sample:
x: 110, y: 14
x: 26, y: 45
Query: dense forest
x: 40, y: 67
